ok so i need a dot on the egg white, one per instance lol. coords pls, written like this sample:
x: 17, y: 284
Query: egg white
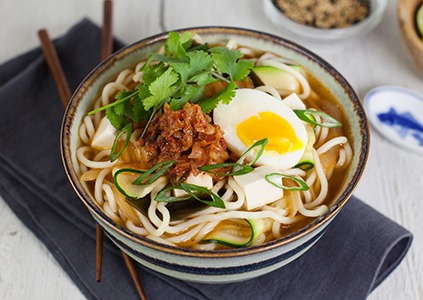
x: 250, y: 102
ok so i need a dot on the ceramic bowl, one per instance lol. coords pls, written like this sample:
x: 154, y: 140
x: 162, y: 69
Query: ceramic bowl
x: 319, y: 35
x: 224, y: 265
x: 406, y: 13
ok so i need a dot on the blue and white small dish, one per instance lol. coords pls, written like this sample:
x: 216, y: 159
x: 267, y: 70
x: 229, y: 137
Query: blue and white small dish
x: 397, y: 113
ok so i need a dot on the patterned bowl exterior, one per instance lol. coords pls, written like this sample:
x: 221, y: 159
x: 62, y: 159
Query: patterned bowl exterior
x: 225, y: 265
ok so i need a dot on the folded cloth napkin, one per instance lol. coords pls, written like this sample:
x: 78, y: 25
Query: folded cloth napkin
x: 359, y: 250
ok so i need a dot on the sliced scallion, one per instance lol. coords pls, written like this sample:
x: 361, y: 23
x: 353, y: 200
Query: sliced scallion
x: 303, y: 186
x: 238, y: 167
x: 307, y: 116
x: 262, y: 143
x: 165, y: 166
x: 128, y: 130
x: 193, y: 191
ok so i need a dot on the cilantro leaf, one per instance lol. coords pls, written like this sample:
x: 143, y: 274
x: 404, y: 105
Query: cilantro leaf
x: 225, y: 95
x: 152, y: 72
x: 176, y: 45
x: 190, y: 93
x: 118, y: 121
x: 228, y: 62
x: 138, y: 111
x: 160, y: 89
x: 194, y: 63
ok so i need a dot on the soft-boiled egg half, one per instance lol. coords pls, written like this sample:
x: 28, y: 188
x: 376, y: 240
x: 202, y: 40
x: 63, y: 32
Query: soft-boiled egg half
x: 253, y: 115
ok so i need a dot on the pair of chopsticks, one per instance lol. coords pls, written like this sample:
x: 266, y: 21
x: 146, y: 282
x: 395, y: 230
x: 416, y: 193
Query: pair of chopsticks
x: 63, y: 89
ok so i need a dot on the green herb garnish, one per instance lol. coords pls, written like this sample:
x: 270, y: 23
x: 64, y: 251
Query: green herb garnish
x: 126, y: 129
x: 177, y: 77
x: 141, y: 180
x: 193, y: 191
x: 303, y: 186
x: 238, y: 168
x: 165, y: 166
x: 307, y: 116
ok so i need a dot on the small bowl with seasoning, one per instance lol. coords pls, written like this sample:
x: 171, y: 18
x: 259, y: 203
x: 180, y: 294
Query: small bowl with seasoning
x: 325, y: 20
x: 410, y: 21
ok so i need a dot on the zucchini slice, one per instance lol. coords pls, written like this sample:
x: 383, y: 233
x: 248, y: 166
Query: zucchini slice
x: 236, y: 233
x: 124, y: 179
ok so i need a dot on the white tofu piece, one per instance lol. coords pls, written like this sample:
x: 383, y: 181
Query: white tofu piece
x: 202, y: 179
x: 258, y: 191
x: 294, y: 102
x: 105, y: 135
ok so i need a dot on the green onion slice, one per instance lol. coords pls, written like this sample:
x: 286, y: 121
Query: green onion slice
x: 128, y: 130
x: 303, y: 186
x: 112, y: 104
x: 193, y: 191
x: 238, y: 167
x: 307, y: 116
x: 305, y: 166
x: 166, y: 165
x: 262, y: 143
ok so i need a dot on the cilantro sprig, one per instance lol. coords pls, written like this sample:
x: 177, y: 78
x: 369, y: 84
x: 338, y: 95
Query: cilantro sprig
x: 178, y: 76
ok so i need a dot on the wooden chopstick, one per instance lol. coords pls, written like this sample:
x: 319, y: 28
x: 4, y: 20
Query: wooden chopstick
x: 63, y: 89
x: 130, y: 265
x: 55, y: 67
x: 106, y: 51
x: 106, y: 31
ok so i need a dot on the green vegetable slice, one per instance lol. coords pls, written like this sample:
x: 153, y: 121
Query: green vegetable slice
x: 238, y: 167
x: 113, y: 154
x: 306, y: 116
x: 303, y: 186
x: 193, y: 191
x: 419, y: 21
x: 307, y: 161
x: 165, y: 166
x: 236, y: 233
x: 133, y: 186
x: 241, y: 169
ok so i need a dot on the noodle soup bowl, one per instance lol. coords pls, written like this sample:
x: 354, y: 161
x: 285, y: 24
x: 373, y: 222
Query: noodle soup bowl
x: 217, y: 266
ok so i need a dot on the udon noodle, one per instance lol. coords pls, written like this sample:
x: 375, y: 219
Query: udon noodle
x: 331, y: 155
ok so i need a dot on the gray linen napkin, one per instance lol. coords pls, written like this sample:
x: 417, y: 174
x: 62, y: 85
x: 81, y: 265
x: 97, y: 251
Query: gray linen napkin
x: 359, y: 250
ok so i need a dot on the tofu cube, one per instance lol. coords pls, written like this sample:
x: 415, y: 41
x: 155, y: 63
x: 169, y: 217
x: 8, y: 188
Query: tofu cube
x: 258, y: 191
x: 202, y: 179
x: 104, y: 136
x: 294, y: 102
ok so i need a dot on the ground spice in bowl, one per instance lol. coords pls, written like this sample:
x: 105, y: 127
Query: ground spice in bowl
x: 324, y: 13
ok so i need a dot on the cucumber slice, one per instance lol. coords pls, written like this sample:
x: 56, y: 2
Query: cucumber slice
x: 277, y: 78
x: 236, y: 233
x: 419, y: 21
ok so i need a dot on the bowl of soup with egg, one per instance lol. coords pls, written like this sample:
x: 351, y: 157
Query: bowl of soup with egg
x: 214, y: 154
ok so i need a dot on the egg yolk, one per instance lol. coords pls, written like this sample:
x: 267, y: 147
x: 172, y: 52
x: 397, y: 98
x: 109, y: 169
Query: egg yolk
x: 281, y: 136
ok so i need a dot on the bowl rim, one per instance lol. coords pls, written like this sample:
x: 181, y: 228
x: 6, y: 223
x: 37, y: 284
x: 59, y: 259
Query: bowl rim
x: 223, y: 30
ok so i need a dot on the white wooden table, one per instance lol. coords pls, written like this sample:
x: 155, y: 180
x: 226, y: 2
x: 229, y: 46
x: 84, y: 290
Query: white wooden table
x: 393, y: 180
